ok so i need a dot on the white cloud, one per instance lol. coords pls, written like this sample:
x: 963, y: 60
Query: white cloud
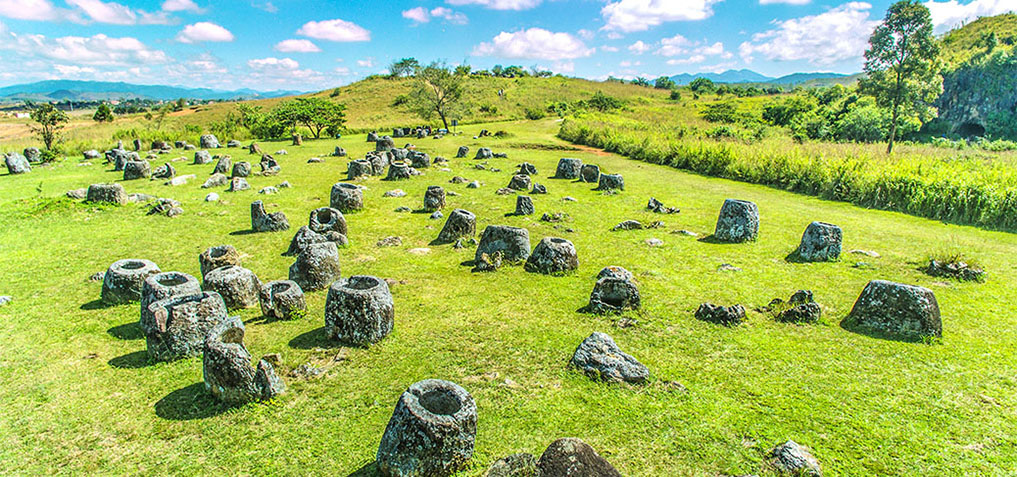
x: 297, y: 46
x: 118, y: 14
x: 950, y: 14
x: 423, y: 15
x: 499, y: 4
x: 693, y: 51
x: 267, y: 6
x: 39, y: 10
x: 204, y: 31
x: 98, y: 50
x: 639, y: 47
x: 839, y: 34
x: 366, y: 63
x: 789, y: 2
x: 639, y: 15
x: 585, y: 34
x: 534, y: 43
x: 418, y: 15
x: 73, y: 70
x: 335, y: 30
x: 609, y: 49
x: 181, y: 6
x: 266, y: 63
x: 281, y: 71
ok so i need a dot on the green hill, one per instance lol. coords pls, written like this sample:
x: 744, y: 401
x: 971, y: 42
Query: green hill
x: 961, y: 44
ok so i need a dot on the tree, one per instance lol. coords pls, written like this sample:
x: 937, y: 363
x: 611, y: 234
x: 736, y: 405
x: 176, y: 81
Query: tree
x: 316, y: 114
x: 104, y: 114
x: 664, y: 83
x: 50, y: 121
x: 902, y: 64
x: 640, y: 81
x: 404, y: 67
x: 437, y: 90
x: 702, y: 85
x: 463, y: 70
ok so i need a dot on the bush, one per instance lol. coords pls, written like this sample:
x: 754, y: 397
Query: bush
x: 400, y: 100
x: 1001, y: 124
x: 534, y: 114
x: 720, y: 113
x: 676, y: 95
x: 865, y: 124
x: 489, y: 109
x: 603, y: 103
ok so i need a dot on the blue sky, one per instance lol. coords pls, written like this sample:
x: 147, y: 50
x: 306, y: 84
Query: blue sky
x: 312, y: 44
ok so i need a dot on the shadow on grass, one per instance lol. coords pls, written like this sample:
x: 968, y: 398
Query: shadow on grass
x: 189, y: 403
x: 237, y: 233
x: 96, y: 304
x: 126, y: 331
x: 849, y: 325
x: 712, y: 239
x: 317, y: 338
x: 135, y: 360
x: 368, y: 470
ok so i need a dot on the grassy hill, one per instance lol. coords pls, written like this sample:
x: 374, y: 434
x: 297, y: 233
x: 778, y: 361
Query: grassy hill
x: 961, y: 44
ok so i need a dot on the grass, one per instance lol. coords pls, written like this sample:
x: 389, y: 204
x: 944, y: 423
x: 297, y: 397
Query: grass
x: 80, y: 397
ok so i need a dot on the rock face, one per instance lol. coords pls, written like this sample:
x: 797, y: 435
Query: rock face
x: 208, y: 141
x: 907, y: 311
x: 125, y: 278
x: 613, y: 295
x: 484, y: 153
x: 226, y: 367
x: 359, y: 310
x: 721, y: 315
x: 16, y: 163
x: 974, y: 92
x: 611, y: 182
x: 282, y: 300
x: 106, y: 194
x: 600, y: 358
x: 462, y: 152
x: 265, y: 222
x: 434, y: 198
x: 176, y: 327
x: 238, y: 286
x: 316, y: 266
x: 202, y: 157
x: 398, y: 171
x: 327, y: 219
x: 460, y: 223
x: 590, y: 173
x: 432, y: 431
x: 553, y: 256
x: 571, y: 457
x: 346, y: 197
x: 520, y: 182
x: 568, y: 168
x: 512, y: 242
x: 821, y: 242
x: 167, y: 285
x: 224, y: 165
x: 738, y: 221
x: 218, y: 257
x: 524, y: 205
x: 305, y: 237
x: 137, y: 170
x: 793, y: 459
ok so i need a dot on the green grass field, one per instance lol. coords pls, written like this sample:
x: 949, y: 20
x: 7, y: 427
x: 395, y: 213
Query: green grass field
x: 80, y: 396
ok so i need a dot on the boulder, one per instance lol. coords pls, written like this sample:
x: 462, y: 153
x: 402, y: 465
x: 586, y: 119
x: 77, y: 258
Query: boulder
x: 654, y: 205
x: 165, y: 171
x: 124, y: 279
x: 611, y: 182
x: 906, y: 311
x: 418, y: 160
x: 237, y: 184
x: 91, y: 155
x: 821, y: 242
x: 217, y: 257
x: 233, y: 143
x: 241, y: 169
x: 527, y: 169
x: 265, y: 222
x: 137, y: 144
x: 359, y: 168
x: 379, y: 161
x: 359, y: 310
x: 269, y: 166
x: 793, y: 459
x: 524, y: 205
x: 460, y: 223
x: 398, y: 171
x: 801, y: 308
x: 238, y: 286
x: 590, y: 173
x: 305, y: 237
x: 613, y: 295
x: 226, y: 367
x: 106, y: 194
x: 254, y: 148
x: 137, y: 170
x: 384, y: 143
x: 553, y: 256
x: 513, y: 242
x: 208, y: 141
x: 462, y: 152
x: 372, y: 136
x: 628, y: 225
x: 346, y: 197
x: 316, y: 267
x: 538, y: 189
x: 434, y: 198
x: 520, y: 182
x: 298, y: 140
x: 167, y: 207
x: 32, y: 154
x: 600, y: 358
x: 721, y: 315
x: 571, y: 457
x: 167, y: 285
x: 224, y: 165
x: 76, y: 193
x: 738, y: 222
x: 339, y: 152
x: 484, y: 153
x: 202, y: 157
x: 568, y: 168
x: 614, y: 271
x: 515, y: 465
x: 325, y: 219
x: 216, y: 180
x: 176, y: 327
x: 432, y: 431
x: 282, y: 300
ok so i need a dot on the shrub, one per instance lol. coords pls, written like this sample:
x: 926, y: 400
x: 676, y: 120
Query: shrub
x: 534, y: 114
x: 676, y: 95
x: 720, y: 113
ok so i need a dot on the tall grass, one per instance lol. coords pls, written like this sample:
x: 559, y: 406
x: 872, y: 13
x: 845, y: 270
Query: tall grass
x: 959, y: 189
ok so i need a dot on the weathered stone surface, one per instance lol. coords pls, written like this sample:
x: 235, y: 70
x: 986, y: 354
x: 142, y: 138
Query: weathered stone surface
x: 176, y: 327
x: 394, y: 193
x: 269, y: 190
x: 460, y: 223
x: 166, y: 285
x: 462, y: 152
x: 316, y: 267
x: 91, y: 155
x: 359, y: 168
x: 226, y: 367
x: 216, y: 180
x: 233, y: 143
x: 282, y: 300
x: 325, y: 219
x: 654, y: 205
x: 33, y: 154
x: 721, y: 315
x: 165, y: 171
x: 346, y: 197
x: 224, y: 165
x: 821, y: 242
x: 269, y: 166
x: 590, y: 173
x: 515, y: 465
x: 955, y: 268
x: 238, y: 286
x: 106, y: 193
x: 524, y: 205
x: 305, y: 236
x: 484, y: 153
x: 398, y: 171
x: 166, y: 207
x: 434, y: 198
x: 600, y: 358
x: 124, y: 279
x: 241, y: 169
x: 801, y: 308
x: 571, y: 457
x: 237, y: 184
x: 202, y: 157
x: 553, y: 256
x: 359, y: 310
x: 527, y: 169
x: 738, y: 222
x: 378, y: 160
x: 372, y: 136
x: 614, y: 271
x: 418, y: 160
x: 137, y: 170
x: 208, y: 141
x: 217, y: 257
x: 339, y: 152
x: 520, y: 182
x: 613, y: 295
x: 16, y: 163
x: 513, y: 242
x: 432, y: 431
x: 265, y: 222
x: 907, y: 311
x: 568, y: 168
x: 611, y: 182
x: 628, y: 225
x: 538, y: 189
x: 384, y: 143
x: 76, y: 193
x: 793, y: 459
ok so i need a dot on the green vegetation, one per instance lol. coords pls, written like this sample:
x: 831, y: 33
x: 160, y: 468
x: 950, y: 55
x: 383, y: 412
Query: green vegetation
x: 960, y: 45
x: 49, y: 122
x: 103, y: 114
x: 438, y: 90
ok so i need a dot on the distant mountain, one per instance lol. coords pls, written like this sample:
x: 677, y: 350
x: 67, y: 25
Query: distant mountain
x: 58, y: 90
x: 749, y: 76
